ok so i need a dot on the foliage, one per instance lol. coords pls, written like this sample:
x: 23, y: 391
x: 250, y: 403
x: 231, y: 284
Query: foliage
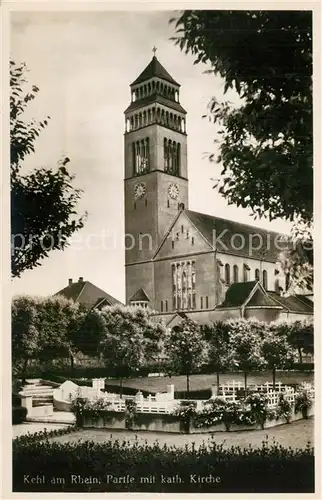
x: 131, y: 338
x: 219, y: 351
x: 25, y: 332
x: 276, y: 350
x: 266, y: 138
x: 284, y: 408
x: 266, y: 56
x: 83, y: 407
x: 41, y: 329
x: 32, y: 438
x: 303, y: 400
x: 186, y: 349
x: 34, y: 231
x: 259, y: 408
x: 186, y: 410
x: 246, y: 347
x: 19, y: 414
x: 241, y: 470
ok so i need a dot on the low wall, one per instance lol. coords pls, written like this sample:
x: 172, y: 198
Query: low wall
x: 171, y: 423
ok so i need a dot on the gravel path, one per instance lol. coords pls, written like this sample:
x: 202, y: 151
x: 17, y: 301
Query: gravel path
x: 295, y: 435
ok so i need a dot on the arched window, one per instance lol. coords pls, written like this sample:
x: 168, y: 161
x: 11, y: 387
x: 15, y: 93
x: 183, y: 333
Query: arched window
x: 227, y: 274
x: 246, y: 272
x: 265, y: 279
x: 235, y: 273
x: 257, y: 274
x: 277, y: 286
x: 166, y: 154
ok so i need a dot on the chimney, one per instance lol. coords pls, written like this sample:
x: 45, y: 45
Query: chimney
x: 70, y: 281
x: 80, y: 279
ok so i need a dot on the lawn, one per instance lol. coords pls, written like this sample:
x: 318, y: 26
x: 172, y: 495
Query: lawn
x: 197, y: 382
x: 294, y: 435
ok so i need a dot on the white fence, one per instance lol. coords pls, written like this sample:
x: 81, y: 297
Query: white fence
x: 164, y: 403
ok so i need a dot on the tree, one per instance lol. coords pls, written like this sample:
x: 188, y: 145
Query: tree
x: 58, y: 319
x: 186, y: 349
x: 130, y: 339
x: 44, y: 329
x: 246, y: 347
x: 88, y: 331
x: 219, y: 351
x: 266, y: 146
x: 44, y: 202
x: 25, y: 333
x: 300, y: 335
x: 276, y: 351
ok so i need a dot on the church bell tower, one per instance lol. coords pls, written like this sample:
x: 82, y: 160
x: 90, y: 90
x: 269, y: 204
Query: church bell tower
x: 155, y: 161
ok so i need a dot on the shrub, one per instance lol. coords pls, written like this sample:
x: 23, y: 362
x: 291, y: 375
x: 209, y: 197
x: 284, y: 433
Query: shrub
x: 19, y: 414
x: 303, y: 400
x: 83, y: 407
x: 284, y: 408
x: 240, y: 470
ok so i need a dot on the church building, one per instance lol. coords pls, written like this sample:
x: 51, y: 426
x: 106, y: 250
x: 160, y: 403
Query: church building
x: 180, y: 262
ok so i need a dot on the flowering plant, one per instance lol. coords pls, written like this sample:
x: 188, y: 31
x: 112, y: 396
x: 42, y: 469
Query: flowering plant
x: 284, y: 408
x: 83, y: 407
x: 303, y: 400
x: 211, y: 414
x: 186, y: 410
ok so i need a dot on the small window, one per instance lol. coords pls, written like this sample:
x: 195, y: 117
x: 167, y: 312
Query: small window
x: 161, y: 305
x: 207, y: 302
x: 166, y: 306
x: 182, y: 229
x: 172, y: 244
x: 168, y: 204
x: 235, y: 274
x: 146, y: 202
x: 192, y: 241
x: 227, y: 274
x: 201, y: 302
x: 265, y: 279
x: 257, y: 274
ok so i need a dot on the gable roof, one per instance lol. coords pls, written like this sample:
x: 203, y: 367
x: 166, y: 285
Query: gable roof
x: 260, y: 299
x: 87, y: 294
x: 238, y: 293
x: 140, y: 296
x: 224, y: 229
x: 292, y: 303
x: 154, y: 69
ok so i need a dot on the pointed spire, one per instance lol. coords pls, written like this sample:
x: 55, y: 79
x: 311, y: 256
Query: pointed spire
x: 155, y: 69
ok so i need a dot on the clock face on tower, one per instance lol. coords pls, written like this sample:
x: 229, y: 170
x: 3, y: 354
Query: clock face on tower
x: 173, y: 191
x: 139, y: 190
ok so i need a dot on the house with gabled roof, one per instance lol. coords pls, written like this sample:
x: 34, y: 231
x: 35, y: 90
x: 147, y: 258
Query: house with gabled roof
x: 87, y: 294
x: 179, y: 262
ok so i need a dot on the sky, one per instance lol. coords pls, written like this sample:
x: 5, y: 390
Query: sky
x: 83, y: 63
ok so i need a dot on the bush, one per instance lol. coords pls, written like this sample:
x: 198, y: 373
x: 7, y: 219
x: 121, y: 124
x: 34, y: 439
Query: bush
x: 267, y: 469
x: 303, y: 401
x: 19, y: 414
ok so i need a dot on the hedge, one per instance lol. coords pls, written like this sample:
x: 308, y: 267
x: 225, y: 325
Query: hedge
x: 19, y: 414
x: 197, y: 394
x: 121, y: 467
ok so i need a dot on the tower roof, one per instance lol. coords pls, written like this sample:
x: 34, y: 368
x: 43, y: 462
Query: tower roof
x: 155, y: 69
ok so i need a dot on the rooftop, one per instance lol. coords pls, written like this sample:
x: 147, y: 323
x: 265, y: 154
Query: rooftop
x: 154, y: 69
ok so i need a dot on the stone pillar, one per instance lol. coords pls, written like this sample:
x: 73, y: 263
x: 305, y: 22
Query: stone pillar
x: 170, y: 391
x: 26, y: 402
x: 214, y: 391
